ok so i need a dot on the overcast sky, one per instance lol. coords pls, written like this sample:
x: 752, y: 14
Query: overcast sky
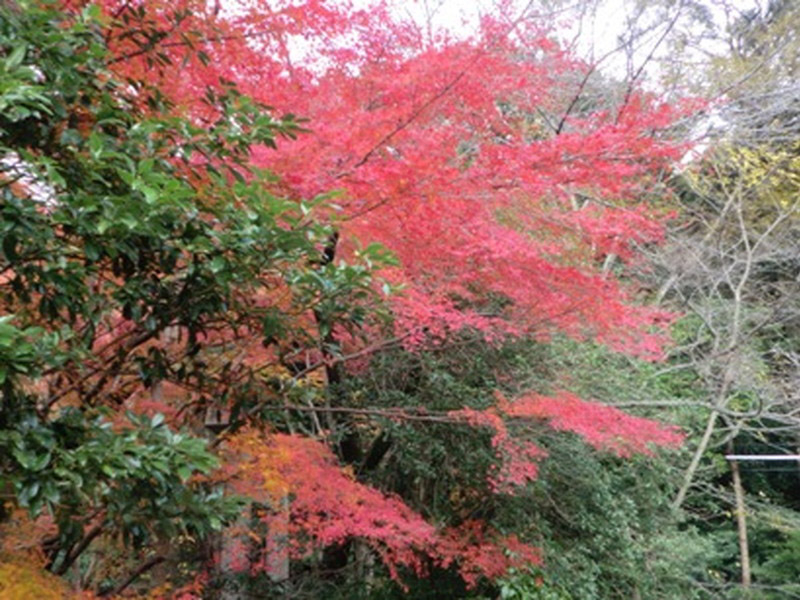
x: 593, y: 33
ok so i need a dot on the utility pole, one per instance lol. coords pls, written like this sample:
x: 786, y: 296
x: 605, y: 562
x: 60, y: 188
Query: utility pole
x: 738, y: 491
x: 741, y: 520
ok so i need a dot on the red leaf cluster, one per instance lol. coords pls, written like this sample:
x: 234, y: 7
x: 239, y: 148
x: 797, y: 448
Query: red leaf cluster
x: 480, y: 552
x: 604, y: 427
x: 327, y: 506
x: 441, y: 154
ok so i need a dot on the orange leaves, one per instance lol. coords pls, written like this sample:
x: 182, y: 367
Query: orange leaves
x: 327, y: 506
x: 22, y: 579
x: 22, y: 537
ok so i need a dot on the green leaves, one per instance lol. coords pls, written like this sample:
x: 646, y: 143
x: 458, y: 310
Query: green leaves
x: 139, y: 475
x: 21, y: 96
x: 121, y: 223
x: 21, y: 351
x: 138, y: 248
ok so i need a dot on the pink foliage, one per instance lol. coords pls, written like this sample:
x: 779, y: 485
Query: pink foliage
x: 604, y: 427
x: 432, y: 144
x: 480, y: 552
x: 327, y: 506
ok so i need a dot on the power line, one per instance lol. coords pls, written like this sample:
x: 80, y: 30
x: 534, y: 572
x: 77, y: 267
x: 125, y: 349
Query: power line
x: 764, y: 457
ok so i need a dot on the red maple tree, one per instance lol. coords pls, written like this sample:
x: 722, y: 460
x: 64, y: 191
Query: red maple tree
x: 460, y: 155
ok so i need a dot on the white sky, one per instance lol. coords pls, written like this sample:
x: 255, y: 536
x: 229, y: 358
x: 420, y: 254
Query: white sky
x: 595, y: 35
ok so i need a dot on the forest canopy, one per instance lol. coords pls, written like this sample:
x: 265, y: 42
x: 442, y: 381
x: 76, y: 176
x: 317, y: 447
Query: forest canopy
x: 303, y: 299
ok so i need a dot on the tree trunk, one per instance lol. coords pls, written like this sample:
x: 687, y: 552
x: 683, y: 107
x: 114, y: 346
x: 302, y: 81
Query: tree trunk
x: 698, y: 455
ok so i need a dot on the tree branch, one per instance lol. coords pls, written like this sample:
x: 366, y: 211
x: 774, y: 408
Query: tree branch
x: 138, y: 572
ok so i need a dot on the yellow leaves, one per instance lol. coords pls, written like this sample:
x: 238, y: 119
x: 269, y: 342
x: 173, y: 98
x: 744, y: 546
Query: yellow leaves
x: 158, y: 593
x: 314, y: 377
x: 778, y: 169
x: 763, y: 180
x: 262, y: 462
x: 22, y: 579
x: 274, y: 484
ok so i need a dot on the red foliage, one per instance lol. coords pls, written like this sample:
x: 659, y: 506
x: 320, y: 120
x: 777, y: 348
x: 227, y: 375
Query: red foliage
x: 518, y: 458
x: 327, y: 506
x: 480, y: 552
x: 437, y: 149
x: 604, y: 427
x: 439, y: 154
